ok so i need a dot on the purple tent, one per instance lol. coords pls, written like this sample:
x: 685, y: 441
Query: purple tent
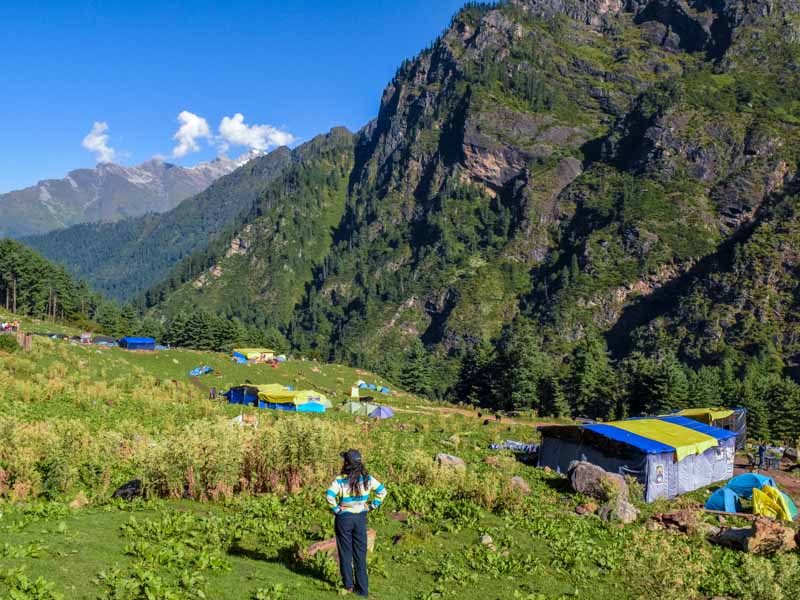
x: 382, y: 412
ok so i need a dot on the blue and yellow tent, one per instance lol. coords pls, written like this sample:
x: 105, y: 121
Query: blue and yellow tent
x: 669, y: 455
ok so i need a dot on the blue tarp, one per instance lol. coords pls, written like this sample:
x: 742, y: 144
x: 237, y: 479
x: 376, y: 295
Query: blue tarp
x: 240, y: 358
x: 200, y: 371
x: 138, y: 343
x: 314, y: 407
x: 644, y: 444
x: 743, y: 484
x: 715, y: 432
x: 724, y: 499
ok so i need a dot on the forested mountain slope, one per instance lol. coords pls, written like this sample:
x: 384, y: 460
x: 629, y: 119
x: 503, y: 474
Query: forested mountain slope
x: 548, y: 178
x: 121, y: 259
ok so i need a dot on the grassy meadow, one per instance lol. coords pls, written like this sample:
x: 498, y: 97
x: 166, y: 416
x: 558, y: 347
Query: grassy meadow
x: 228, y: 506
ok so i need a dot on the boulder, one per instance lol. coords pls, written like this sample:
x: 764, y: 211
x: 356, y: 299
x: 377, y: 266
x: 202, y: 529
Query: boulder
x: 619, y: 510
x: 520, y: 484
x: 593, y: 481
x: 588, y: 508
x: 450, y: 461
x: 764, y: 537
x: 683, y: 520
x: 486, y: 539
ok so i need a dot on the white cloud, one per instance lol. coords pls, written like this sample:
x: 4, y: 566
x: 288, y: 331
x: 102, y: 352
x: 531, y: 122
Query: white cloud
x: 234, y: 131
x: 192, y: 129
x: 97, y: 141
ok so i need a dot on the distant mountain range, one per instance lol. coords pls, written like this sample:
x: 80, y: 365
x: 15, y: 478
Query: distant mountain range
x: 107, y: 193
x: 125, y: 257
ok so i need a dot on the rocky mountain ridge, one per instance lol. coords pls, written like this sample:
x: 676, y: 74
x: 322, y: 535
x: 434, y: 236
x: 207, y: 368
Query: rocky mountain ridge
x: 107, y: 193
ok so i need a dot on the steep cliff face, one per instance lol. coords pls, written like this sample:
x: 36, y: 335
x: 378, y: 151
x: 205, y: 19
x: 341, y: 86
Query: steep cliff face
x: 564, y: 159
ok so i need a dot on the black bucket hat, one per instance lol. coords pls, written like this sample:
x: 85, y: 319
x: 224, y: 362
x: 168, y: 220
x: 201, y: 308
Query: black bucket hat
x: 351, y: 456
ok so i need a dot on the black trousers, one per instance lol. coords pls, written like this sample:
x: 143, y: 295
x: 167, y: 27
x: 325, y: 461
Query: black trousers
x: 351, y: 543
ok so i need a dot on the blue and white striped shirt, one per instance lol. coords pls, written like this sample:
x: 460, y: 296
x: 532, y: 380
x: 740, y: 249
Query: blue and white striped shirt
x: 342, y: 499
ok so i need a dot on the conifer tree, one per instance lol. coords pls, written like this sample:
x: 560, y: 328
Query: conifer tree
x: 593, y: 385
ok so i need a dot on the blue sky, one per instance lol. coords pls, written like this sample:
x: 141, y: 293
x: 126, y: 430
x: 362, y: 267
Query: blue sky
x: 299, y: 67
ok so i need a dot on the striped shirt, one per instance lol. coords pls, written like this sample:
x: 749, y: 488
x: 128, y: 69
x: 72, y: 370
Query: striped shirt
x: 342, y: 499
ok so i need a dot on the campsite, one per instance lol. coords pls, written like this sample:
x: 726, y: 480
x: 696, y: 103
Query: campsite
x: 230, y: 503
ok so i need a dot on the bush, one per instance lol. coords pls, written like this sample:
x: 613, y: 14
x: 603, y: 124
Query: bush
x: 8, y: 343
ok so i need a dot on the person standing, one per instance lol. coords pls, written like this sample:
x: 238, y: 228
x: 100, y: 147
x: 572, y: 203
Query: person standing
x: 349, y: 499
x: 762, y: 454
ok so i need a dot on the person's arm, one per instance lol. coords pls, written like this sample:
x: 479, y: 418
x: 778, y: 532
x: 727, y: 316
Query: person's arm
x: 380, y: 493
x: 332, y: 496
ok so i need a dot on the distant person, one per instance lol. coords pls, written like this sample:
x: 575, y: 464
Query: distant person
x: 348, y: 497
x: 762, y: 456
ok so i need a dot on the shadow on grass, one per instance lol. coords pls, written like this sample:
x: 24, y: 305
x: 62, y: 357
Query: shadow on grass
x: 560, y: 485
x: 320, y: 567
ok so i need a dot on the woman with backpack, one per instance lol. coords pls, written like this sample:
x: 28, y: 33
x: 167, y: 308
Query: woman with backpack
x: 349, y: 499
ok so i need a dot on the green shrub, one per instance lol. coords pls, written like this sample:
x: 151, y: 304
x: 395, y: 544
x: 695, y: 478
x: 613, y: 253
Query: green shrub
x: 8, y: 343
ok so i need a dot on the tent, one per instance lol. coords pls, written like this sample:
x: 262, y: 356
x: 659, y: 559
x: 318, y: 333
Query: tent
x: 669, y: 456
x: 313, y: 396
x: 724, y: 500
x: 250, y: 393
x: 744, y: 484
x: 372, y: 386
x: 360, y: 408
x: 384, y: 390
x: 253, y: 354
x: 382, y: 412
x: 362, y: 385
x: 771, y: 502
x: 731, y: 419
x: 137, y: 343
x: 205, y: 369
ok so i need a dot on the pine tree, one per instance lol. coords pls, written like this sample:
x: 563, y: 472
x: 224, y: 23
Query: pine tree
x: 593, y: 385
x: 415, y: 375
x: 670, y: 387
x: 475, y: 383
x: 521, y: 365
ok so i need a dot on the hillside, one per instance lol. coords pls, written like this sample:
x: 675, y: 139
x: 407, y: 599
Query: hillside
x: 229, y: 505
x: 590, y: 168
x: 107, y: 193
x: 124, y: 258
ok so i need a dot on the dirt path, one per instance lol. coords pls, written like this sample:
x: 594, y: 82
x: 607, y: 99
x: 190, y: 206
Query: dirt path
x: 471, y: 413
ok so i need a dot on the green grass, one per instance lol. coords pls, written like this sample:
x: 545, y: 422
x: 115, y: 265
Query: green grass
x: 75, y: 422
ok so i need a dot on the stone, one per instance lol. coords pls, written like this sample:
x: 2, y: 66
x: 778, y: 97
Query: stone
x: 518, y: 483
x: 620, y: 511
x: 684, y: 520
x: 593, y: 481
x: 450, y: 461
x: 587, y: 508
x: 765, y: 537
x: 486, y: 539
x: 548, y: 470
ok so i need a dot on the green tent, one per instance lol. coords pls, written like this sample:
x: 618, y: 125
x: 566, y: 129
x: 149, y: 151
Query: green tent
x: 360, y: 408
